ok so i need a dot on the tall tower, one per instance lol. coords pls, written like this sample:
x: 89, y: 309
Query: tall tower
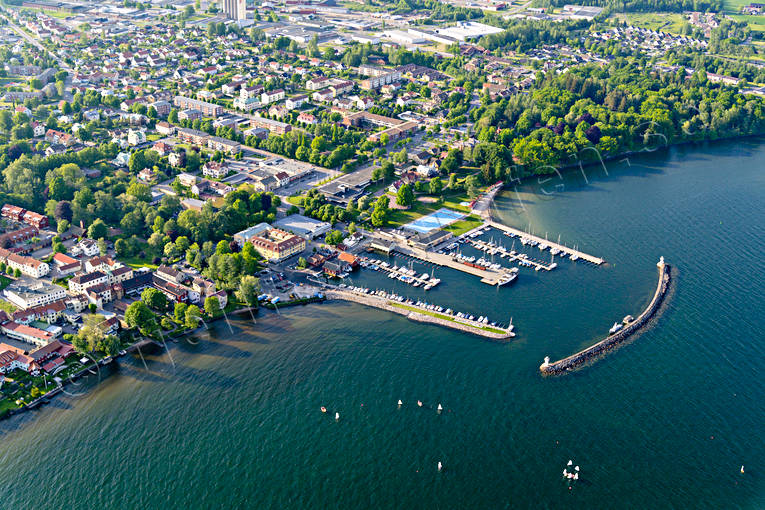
x: 234, y: 9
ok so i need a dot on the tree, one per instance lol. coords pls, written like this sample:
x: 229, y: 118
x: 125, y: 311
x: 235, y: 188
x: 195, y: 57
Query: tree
x: 102, y: 249
x: 193, y: 316
x: 435, y: 186
x: 389, y: 171
x: 249, y: 288
x: 405, y: 196
x: 122, y: 248
x: 334, y: 237
x: 62, y: 226
x: 154, y: 299
x: 93, y: 330
x: 180, y: 311
x: 212, y: 306
x: 110, y: 345
x: 302, y: 263
x: 139, y: 316
x: 98, y: 229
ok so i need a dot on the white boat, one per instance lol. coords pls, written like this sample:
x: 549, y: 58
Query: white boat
x: 440, y: 408
x: 419, y: 403
x: 576, y: 468
x: 337, y: 416
x: 565, y: 473
x: 440, y: 466
x: 742, y: 470
x: 400, y: 403
x: 616, y: 327
x: 570, y: 462
x: 576, y: 476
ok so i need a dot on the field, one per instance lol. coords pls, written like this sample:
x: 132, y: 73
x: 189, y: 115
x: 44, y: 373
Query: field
x: 756, y: 23
x: 403, y: 216
x: 662, y: 22
x: 734, y: 6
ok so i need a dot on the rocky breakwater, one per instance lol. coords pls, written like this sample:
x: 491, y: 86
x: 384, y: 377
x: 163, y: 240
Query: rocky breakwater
x: 619, y: 337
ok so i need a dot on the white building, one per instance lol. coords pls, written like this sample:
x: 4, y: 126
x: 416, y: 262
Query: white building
x: 272, y: 96
x: 27, y: 294
x: 136, y: 137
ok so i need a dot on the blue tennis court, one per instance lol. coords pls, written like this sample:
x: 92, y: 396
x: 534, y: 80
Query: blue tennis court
x: 437, y: 219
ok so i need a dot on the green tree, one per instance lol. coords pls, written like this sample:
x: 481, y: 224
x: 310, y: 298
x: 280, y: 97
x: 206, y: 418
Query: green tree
x: 212, y: 306
x: 154, y: 299
x: 405, y: 196
x: 138, y: 315
x: 249, y: 288
x: 193, y: 316
x: 98, y: 229
x: 180, y: 311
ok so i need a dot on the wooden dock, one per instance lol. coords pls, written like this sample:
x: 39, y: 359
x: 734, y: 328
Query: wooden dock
x: 565, y: 249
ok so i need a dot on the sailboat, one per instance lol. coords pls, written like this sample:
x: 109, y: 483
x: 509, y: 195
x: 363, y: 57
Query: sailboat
x: 337, y: 416
x: 570, y: 462
x: 419, y: 403
x: 742, y: 470
x: 440, y: 408
x: 440, y: 465
x: 400, y: 403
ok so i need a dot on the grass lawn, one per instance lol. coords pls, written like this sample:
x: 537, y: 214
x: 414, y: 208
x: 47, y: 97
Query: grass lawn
x: 296, y: 200
x: 4, y: 282
x: 664, y: 22
x: 403, y: 216
x: 756, y: 23
x: 136, y: 262
x: 444, y: 317
x: 7, y: 306
x: 734, y: 6
x: 465, y: 225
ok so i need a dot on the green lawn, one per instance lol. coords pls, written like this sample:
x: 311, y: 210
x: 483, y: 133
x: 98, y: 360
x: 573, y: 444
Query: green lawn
x: 402, y: 217
x: 466, y: 225
x: 7, y: 306
x: 756, y: 23
x: 664, y: 22
x: 444, y: 317
x: 734, y: 6
x: 4, y: 282
x: 136, y: 262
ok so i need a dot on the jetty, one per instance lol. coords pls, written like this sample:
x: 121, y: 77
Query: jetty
x: 613, y: 340
x: 420, y: 312
x: 487, y: 275
x: 571, y: 252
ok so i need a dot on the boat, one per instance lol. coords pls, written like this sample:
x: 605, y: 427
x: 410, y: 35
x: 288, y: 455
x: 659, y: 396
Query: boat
x: 565, y: 473
x: 742, y: 470
x: 616, y: 327
x: 400, y: 403
x: 570, y: 462
x: 440, y: 408
x: 419, y: 403
x: 576, y: 476
x: 122, y: 353
x: 337, y: 416
x: 323, y: 409
x: 576, y: 468
x: 440, y: 466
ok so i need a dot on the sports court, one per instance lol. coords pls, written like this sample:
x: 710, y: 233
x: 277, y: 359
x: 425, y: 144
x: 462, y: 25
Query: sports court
x: 437, y: 219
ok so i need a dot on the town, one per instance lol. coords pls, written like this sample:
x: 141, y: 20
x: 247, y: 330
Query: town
x: 168, y: 163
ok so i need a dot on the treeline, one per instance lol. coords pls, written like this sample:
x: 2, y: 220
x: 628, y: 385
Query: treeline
x: 521, y: 35
x: 591, y: 112
x: 644, y: 5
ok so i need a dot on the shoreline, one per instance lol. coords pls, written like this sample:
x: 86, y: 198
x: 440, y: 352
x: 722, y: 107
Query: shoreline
x: 613, y: 341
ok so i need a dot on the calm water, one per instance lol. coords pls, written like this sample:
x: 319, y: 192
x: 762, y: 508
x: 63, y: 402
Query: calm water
x: 665, y: 422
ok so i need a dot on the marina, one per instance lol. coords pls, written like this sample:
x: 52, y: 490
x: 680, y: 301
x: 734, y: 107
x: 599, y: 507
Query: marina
x: 555, y: 248
x: 402, y: 274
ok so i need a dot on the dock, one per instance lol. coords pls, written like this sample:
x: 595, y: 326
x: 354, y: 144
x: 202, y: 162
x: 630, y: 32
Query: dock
x: 521, y: 258
x: 615, y: 339
x: 487, y: 275
x: 571, y: 252
x: 402, y: 274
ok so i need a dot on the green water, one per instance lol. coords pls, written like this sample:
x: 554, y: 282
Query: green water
x: 665, y: 422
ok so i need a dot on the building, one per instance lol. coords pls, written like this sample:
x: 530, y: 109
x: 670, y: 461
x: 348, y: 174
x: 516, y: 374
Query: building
x: 49, y: 313
x: 234, y: 9
x: 165, y: 128
x: 83, y: 282
x: 271, y: 97
x: 27, y: 334
x: 247, y: 234
x: 28, y: 294
x: 192, y: 136
x: 273, y: 126
x: 215, y: 170
x: 136, y: 137
x: 207, y: 109
x: 375, y: 82
x: 16, y: 213
x: 303, y: 226
x: 26, y: 265
x: 217, y: 143
x: 277, y: 245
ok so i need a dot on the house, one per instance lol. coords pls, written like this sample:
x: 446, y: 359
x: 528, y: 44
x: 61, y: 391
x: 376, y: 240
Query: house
x: 58, y: 137
x: 12, y: 358
x: 217, y: 143
x: 146, y: 175
x: 215, y: 170
x: 187, y: 180
x: 165, y: 128
x: 65, y: 264
x: 334, y: 269
x: 245, y: 235
x: 174, y: 292
x: 349, y: 259
x: 81, y: 283
x: 318, y: 83
x: 307, y: 118
x: 87, y: 247
x: 273, y: 126
x: 136, y: 137
x: 50, y: 313
x: 26, y: 333
x: 162, y: 148
x: 277, y: 245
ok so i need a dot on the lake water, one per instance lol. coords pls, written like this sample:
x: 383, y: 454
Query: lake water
x: 666, y: 421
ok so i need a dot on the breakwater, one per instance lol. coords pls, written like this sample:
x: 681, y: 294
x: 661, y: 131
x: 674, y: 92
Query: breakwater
x: 612, y: 341
x: 412, y: 313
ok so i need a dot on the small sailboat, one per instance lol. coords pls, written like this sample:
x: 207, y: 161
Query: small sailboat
x: 570, y: 462
x: 440, y: 408
x: 742, y: 470
x: 419, y: 403
x: 576, y: 468
x: 400, y: 403
x: 440, y: 466
x: 576, y: 476
x: 337, y: 416
x: 323, y: 409
x: 565, y: 473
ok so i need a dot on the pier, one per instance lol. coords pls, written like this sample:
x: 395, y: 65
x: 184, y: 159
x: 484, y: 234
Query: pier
x: 402, y: 274
x: 487, y: 275
x: 571, y: 252
x: 521, y: 258
x: 418, y: 312
x: 612, y: 341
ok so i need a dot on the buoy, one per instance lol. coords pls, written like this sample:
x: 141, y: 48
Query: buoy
x: 337, y: 416
x: 419, y: 403
x: 439, y: 465
x: 400, y: 403
x: 323, y: 409
x: 440, y: 408
x: 570, y: 462
x: 742, y: 470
